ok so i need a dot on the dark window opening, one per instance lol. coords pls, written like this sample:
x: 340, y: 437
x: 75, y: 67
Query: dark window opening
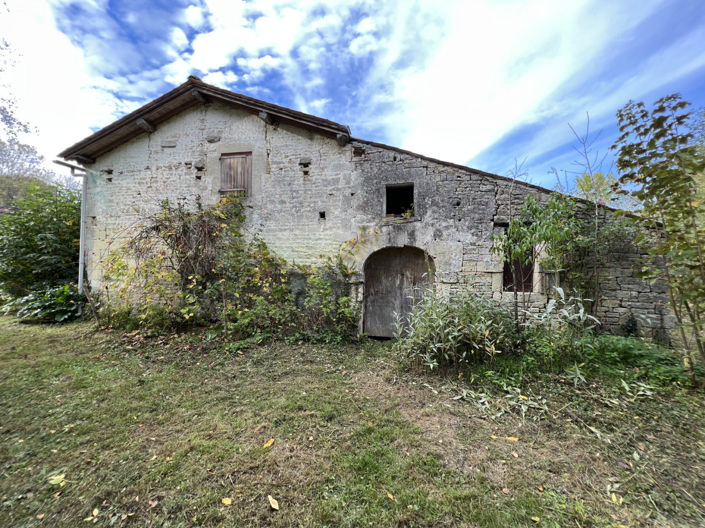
x: 236, y: 173
x: 525, y: 276
x: 322, y: 215
x: 400, y: 200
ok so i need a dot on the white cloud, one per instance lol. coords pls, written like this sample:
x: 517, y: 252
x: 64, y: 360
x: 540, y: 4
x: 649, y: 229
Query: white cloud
x: 222, y: 79
x: 447, y: 79
x: 52, y: 85
x: 499, y: 66
x: 178, y: 40
x: 318, y: 106
x: 194, y: 16
x: 363, y: 45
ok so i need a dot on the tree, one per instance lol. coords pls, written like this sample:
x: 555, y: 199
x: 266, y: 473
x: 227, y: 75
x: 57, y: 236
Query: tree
x: 537, y: 230
x: 39, y: 240
x: 658, y: 157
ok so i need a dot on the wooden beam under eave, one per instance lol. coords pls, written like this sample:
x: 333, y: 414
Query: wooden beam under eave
x: 86, y: 160
x: 200, y: 97
x: 342, y: 139
x: 267, y: 118
x: 145, y: 125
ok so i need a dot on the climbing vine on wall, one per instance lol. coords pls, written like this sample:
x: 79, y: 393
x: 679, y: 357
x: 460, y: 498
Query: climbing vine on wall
x: 189, y: 265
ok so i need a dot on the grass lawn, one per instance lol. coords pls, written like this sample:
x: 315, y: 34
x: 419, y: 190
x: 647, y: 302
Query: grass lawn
x: 107, y: 429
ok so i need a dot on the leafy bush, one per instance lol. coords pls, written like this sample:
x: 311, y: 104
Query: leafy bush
x: 636, y: 358
x: 452, y: 332
x: 53, y: 305
x: 328, y: 313
x: 557, y: 335
x: 186, y: 267
x: 39, y: 240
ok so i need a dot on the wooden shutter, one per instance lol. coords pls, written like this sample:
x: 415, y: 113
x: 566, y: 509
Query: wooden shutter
x: 236, y: 173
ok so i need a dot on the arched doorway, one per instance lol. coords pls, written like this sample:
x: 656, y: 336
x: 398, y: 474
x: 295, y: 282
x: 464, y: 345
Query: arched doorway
x: 394, y: 280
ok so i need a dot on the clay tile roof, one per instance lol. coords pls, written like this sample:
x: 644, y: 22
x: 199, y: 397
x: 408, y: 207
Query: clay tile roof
x: 191, y: 93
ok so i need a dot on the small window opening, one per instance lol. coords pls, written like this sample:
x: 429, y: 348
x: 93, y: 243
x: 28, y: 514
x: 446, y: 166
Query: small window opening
x: 525, y: 276
x: 400, y: 200
x: 109, y: 180
x: 322, y: 215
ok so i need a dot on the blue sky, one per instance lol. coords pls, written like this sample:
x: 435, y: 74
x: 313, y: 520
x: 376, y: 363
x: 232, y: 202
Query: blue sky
x: 486, y: 83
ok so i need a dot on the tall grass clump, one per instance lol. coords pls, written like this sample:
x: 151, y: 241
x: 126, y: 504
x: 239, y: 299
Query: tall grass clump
x: 450, y: 331
x: 559, y: 333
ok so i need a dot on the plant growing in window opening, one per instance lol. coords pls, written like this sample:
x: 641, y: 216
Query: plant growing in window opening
x: 538, y: 229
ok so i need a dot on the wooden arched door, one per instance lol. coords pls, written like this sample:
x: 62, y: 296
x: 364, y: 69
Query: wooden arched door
x: 394, y: 281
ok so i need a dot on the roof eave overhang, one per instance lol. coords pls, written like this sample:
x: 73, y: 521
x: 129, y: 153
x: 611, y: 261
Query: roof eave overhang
x: 147, y: 119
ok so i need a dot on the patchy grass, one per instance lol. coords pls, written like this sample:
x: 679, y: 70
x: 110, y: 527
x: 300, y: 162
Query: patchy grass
x: 122, y: 430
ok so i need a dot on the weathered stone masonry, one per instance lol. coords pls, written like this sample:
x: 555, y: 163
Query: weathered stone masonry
x: 314, y: 194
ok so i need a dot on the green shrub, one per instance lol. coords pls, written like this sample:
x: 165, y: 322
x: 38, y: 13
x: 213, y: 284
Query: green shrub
x: 636, y: 358
x: 558, y: 334
x: 39, y: 240
x: 328, y: 312
x: 445, y: 331
x: 187, y: 267
x: 52, y: 305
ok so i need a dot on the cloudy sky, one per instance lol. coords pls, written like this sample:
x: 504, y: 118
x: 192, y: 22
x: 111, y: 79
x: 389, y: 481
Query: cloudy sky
x: 486, y: 83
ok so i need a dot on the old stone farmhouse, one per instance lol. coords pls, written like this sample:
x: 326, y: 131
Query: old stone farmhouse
x: 310, y: 189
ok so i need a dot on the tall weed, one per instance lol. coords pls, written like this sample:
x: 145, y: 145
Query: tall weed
x: 444, y: 331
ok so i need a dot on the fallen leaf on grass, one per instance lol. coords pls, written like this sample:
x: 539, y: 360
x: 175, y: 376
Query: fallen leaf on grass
x: 536, y: 519
x: 93, y: 517
x: 515, y: 454
x: 227, y: 501
x: 505, y: 491
x: 58, y: 480
x: 391, y: 497
x: 268, y: 443
x: 40, y: 516
x: 153, y: 503
x: 272, y: 502
x: 512, y: 439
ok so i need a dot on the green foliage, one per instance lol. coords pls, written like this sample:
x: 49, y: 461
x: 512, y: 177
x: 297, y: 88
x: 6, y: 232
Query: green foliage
x: 557, y: 334
x: 662, y: 163
x: 53, y: 305
x: 329, y: 313
x: 595, y: 187
x: 255, y: 292
x: 13, y: 188
x: 186, y: 267
x: 39, y: 240
x: 598, y: 244
x: 537, y: 230
x: 635, y: 359
x: 443, y: 332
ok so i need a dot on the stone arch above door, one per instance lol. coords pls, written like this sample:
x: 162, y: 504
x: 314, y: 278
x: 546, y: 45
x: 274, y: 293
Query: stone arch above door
x: 394, y: 280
